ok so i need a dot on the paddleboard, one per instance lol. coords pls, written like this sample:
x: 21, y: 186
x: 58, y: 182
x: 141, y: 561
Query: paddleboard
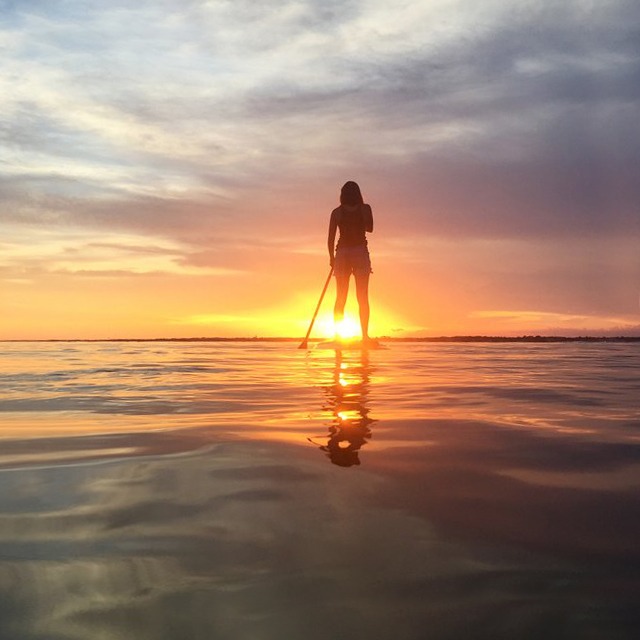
x: 343, y: 345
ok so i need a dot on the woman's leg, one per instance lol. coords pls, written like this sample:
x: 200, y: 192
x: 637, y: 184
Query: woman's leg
x: 362, y: 292
x: 342, y: 289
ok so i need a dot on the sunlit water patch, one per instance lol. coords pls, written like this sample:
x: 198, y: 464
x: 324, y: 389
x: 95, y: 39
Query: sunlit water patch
x: 254, y: 490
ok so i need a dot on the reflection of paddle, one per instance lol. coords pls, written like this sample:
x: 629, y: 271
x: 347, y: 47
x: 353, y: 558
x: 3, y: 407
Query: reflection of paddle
x: 303, y: 344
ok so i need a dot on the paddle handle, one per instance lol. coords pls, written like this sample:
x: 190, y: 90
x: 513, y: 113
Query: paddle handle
x: 303, y: 344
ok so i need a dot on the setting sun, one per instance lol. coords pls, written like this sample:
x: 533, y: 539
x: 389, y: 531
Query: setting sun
x: 347, y: 328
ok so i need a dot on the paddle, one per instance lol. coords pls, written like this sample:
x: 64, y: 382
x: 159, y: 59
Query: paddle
x: 303, y: 344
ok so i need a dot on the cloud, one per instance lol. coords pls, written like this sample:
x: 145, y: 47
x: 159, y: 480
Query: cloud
x: 109, y: 254
x: 559, y: 323
x: 512, y: 121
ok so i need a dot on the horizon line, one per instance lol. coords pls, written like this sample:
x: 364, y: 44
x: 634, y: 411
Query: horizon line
x: 454, y: 338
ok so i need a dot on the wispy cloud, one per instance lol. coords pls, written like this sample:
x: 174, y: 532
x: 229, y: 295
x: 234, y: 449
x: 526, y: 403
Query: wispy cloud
x: 560, y: 323
x: 77, y: 252
x: 486, y: 107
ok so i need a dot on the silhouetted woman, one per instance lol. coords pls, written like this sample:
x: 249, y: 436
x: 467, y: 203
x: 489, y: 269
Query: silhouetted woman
x: 354, y: 219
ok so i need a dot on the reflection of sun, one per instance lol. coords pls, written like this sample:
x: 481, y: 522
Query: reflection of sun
x: 347, y: 328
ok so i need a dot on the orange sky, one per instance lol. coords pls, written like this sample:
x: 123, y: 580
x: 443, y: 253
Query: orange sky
x: 164, y: 175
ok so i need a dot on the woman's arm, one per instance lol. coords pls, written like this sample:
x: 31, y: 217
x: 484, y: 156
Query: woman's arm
x: 368, y: 218
x: 331, y: 239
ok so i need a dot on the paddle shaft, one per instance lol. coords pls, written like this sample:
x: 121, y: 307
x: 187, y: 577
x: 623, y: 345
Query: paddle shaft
x: 303, y: 344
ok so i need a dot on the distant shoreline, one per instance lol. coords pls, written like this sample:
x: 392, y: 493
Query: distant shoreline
x: 481, y: 339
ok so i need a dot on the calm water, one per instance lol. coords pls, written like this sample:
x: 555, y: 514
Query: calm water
x: 255, y: 491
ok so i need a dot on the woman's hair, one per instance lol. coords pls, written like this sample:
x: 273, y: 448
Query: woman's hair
x: 350, y: 194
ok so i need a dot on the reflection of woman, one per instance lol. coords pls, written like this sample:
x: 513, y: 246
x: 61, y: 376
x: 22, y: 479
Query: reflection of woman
x: 354, y: 219
x: 349, y: 429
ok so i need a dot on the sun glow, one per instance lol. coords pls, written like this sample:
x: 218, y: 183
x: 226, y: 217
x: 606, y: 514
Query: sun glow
x: 383, y: 323
x: 347, y: 328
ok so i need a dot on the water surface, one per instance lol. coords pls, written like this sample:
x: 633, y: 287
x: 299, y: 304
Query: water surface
x: 241, y: 490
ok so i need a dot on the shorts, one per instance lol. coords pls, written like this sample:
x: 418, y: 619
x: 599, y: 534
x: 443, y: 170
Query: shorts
x: 352, y: 260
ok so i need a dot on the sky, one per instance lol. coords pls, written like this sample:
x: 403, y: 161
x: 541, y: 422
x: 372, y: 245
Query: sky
x: 168, y: 167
